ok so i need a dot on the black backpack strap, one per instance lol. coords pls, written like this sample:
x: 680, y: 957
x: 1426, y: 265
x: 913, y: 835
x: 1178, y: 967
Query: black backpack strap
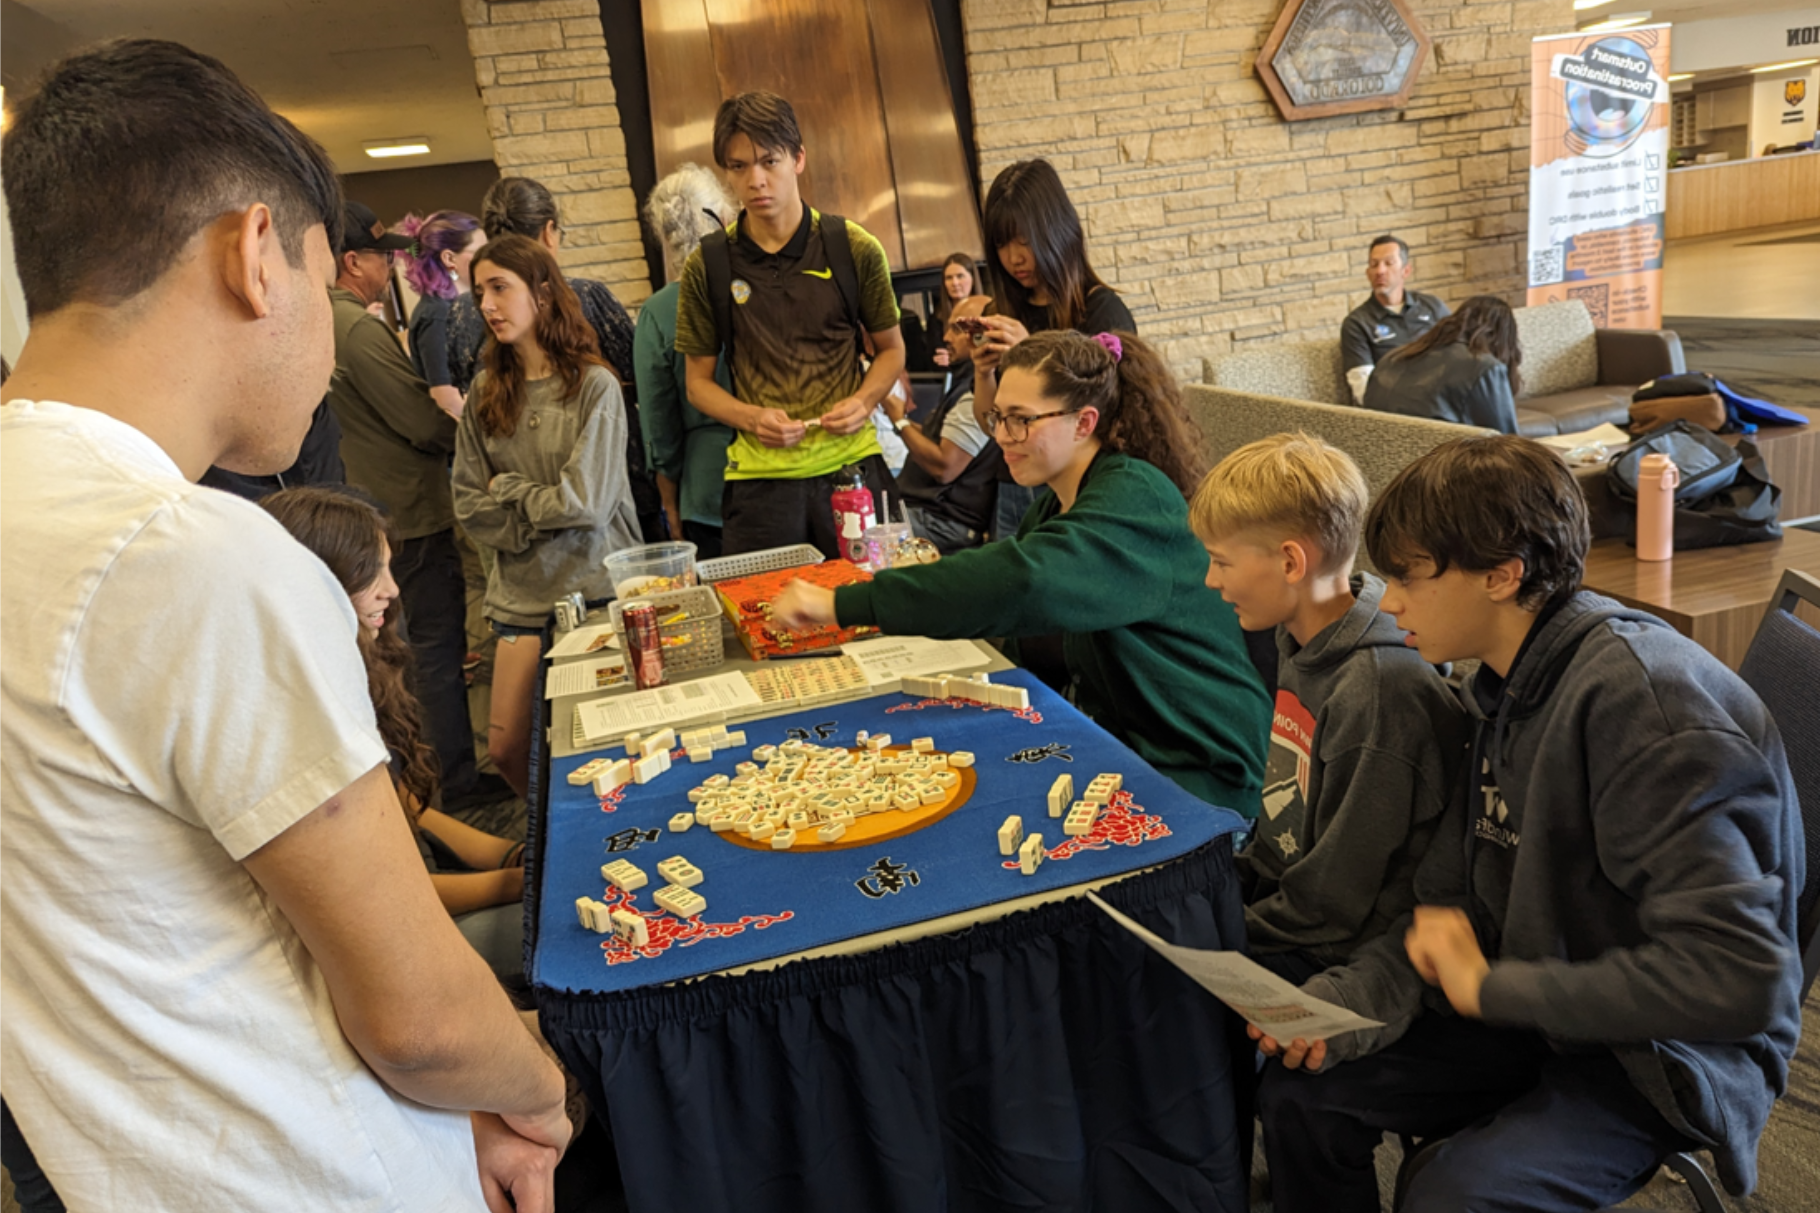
x: 839, y: 249
x: 717, y: 260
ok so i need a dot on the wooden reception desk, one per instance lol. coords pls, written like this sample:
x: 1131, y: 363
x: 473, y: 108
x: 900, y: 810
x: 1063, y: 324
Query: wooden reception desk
x: 1737, y: 195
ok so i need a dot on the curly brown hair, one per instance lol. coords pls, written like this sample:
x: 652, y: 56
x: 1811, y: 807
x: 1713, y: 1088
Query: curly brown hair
x: 562, y: 333
x: 1142, y: 413
x: 351, y: 535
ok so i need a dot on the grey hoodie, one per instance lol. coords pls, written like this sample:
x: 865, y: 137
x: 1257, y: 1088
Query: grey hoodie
x: 1365, y: 745
x: 1635, y: 853
x: 552, y: 499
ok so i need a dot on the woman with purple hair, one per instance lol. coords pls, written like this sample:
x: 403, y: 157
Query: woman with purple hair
x: 437, y: 269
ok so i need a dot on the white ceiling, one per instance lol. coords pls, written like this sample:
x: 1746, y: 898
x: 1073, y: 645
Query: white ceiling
x: 345, y: 71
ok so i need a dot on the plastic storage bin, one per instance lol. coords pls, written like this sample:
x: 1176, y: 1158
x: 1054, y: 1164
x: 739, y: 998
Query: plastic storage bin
x: 689, y: 621
x: 651, y: 568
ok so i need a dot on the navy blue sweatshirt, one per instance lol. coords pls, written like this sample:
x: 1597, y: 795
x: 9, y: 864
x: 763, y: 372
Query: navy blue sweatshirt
x: 1630, y: 852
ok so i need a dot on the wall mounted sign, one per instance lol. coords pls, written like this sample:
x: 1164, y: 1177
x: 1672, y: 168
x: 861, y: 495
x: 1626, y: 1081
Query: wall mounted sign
x: 1328, y: 57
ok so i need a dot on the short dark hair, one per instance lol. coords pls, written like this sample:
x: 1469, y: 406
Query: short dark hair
x: 765, y: 118
x: 131, y: 147
x: 1477, y: 502
x: 1387, y: 238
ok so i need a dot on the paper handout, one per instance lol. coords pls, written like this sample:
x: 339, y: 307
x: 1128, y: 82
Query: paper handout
x: 1261, y: 998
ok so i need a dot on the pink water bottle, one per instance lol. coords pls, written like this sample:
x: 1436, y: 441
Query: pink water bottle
x: 853, y: 514
x: 1657, y: 478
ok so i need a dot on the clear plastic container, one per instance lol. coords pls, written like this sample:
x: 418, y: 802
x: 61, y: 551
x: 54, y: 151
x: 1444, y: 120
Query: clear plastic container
x: 651, y: 568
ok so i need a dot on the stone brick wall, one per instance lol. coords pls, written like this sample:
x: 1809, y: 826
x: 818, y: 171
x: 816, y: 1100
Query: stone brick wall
x: 551, y: 110
x: 1221, y: 223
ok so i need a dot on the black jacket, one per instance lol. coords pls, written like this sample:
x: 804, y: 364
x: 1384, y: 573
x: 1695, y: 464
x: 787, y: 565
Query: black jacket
x: 1630, y: 852
x: 1448, y: 383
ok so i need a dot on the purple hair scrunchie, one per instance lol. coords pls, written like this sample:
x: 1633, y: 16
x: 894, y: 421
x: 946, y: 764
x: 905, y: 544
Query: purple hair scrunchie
x: 1113, y: 345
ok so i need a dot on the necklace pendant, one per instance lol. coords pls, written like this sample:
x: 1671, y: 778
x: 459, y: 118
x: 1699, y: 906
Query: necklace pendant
x: 533, y: 422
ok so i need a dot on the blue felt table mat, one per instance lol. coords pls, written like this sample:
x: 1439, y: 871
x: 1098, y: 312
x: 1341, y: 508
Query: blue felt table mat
x: 766, y: 904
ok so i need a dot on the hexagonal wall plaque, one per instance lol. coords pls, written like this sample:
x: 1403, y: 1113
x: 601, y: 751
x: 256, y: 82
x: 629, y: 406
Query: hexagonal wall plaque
x: 1342, y: 57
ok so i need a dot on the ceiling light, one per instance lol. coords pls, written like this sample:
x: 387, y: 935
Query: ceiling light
x: 1778, y: 67
x: 1682, y: 76
x: 1623, y: 21
x: 381, y: 149
x: 1581, y: 6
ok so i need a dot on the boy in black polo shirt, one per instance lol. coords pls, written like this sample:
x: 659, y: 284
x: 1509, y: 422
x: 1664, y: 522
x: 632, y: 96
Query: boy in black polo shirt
x: 802, y: 401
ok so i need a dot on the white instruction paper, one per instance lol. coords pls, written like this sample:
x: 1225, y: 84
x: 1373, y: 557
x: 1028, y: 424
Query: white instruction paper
x: 1263, y: 999
x: 579, y: 642
x: 585, y: 677
x: 678, y: 703
x: 893, y: 657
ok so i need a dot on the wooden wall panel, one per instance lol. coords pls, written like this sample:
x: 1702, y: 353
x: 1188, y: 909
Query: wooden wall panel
x: 935, y: 202
x: 679, y: 69
x: 818, y: 53
x: 869, y: 89
x: 1706, y: 199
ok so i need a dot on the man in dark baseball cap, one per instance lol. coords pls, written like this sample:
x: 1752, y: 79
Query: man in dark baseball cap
x: 362, y: 232
x: 396, y: 444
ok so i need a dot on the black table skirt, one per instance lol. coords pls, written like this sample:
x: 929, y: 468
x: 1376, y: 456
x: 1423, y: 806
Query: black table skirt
x: 1044, y: 1061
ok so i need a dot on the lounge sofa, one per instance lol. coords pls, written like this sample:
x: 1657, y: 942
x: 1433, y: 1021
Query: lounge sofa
x: 1382, y: 444
x: 1575, y: 377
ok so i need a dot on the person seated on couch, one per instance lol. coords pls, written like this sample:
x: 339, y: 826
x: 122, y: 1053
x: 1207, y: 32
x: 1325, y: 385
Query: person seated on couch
x: 1393, y: 315
x: 1464, y: 370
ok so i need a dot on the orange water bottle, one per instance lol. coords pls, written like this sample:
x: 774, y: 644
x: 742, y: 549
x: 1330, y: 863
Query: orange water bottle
x: 1657, y: 479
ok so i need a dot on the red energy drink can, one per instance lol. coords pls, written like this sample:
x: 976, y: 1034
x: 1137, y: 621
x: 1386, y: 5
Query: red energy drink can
x: 644, y: 646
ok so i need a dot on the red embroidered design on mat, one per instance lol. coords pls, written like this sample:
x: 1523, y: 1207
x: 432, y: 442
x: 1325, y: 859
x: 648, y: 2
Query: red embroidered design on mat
x: 667, y: 930
x: 610, y: 802
x: 1027, y: 715
x: 1118, y: 825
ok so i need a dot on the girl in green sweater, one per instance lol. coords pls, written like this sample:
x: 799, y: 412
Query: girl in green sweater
x: 1104, y: 557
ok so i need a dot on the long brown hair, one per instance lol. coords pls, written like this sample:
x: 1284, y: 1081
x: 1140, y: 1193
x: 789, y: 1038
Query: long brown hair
x: 1028, y: 202
x: 344, y: 530
x: 1485, y: 324
x: 1141, y: 409
x: 561, y: 331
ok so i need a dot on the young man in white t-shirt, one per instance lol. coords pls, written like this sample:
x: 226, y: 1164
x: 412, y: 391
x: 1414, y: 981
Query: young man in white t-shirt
x: 227, y: 981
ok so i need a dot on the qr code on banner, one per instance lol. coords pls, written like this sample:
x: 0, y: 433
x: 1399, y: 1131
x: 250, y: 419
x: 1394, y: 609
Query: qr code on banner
x: 1545, y: 266
x: 1597, y: 297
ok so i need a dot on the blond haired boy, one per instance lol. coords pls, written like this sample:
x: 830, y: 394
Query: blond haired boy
x: 1365, y: 736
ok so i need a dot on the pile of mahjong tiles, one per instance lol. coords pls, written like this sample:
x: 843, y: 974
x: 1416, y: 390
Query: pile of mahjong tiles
x: 782, y: 793
x: 1078, y: 818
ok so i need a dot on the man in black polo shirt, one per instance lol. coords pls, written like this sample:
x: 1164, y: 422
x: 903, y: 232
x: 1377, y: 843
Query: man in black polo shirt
x: 950, y: 483
x: 1394, y: 315
x: 802, y: 400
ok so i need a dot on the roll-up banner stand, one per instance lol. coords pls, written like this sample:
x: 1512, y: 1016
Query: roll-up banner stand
x: 1598, y: 173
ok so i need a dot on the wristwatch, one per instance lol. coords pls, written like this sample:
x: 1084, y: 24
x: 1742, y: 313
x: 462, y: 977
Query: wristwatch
x: 900, y: 423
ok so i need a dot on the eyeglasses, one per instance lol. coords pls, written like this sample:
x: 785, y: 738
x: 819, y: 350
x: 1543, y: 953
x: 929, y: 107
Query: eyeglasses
x: 1017, y: 425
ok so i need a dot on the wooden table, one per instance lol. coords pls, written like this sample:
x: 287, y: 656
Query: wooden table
x: 1715, y: 596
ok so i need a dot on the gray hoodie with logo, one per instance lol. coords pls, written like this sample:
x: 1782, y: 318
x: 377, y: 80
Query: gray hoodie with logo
x: 1630, y: 852
x: 1366, y: 742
